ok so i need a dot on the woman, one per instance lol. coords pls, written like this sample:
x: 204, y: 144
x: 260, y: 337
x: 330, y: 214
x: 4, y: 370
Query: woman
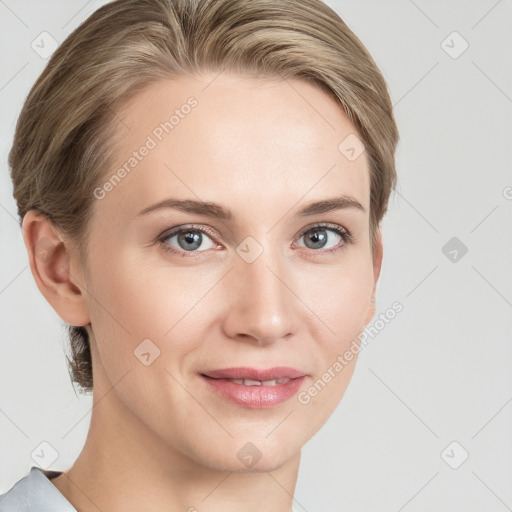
x: 201, y: 185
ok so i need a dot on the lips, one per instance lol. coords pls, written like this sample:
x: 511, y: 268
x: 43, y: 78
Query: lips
x: 255, y: 374
x: 273, y: 386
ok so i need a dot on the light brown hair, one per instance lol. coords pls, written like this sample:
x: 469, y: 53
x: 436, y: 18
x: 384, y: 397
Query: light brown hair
x: 64, y: 139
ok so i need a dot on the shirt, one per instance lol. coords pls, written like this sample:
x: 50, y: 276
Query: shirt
x: 35, y: 493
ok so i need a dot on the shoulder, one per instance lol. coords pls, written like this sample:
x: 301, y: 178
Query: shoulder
x: 35, y: 492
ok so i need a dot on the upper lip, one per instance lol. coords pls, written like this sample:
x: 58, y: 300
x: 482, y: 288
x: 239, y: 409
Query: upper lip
x: 244, y: 372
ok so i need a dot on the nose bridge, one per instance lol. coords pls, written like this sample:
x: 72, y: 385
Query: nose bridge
x: 264, y: 279
x: 262, y: 303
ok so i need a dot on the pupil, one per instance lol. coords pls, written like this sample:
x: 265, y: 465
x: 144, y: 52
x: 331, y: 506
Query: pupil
x: 318, y: 238
x: 190, y: 237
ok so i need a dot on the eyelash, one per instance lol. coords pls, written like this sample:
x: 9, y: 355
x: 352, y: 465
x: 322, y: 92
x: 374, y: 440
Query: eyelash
x: 345, y: 235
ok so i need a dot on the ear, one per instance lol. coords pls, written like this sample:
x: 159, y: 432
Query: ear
x: 55, y: 268
x: 377, y: 264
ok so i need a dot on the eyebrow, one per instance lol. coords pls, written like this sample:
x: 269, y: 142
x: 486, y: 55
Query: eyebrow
x: 216, y: 210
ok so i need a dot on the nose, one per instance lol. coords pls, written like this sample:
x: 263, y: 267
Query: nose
x: 262, y: 304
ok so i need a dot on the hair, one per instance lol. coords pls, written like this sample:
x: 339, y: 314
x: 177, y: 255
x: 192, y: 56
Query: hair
x: 64, y: 138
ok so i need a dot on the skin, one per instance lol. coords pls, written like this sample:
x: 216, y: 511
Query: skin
x: 159, y: 439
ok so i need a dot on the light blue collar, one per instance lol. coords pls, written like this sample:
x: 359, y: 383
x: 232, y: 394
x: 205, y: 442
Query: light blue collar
x: 35, y: 493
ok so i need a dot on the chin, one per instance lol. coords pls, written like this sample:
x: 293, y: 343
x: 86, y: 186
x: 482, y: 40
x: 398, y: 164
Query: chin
x: 249, y: 457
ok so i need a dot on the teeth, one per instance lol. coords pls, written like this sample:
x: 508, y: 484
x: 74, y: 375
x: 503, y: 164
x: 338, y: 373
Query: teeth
x: 250, y: 382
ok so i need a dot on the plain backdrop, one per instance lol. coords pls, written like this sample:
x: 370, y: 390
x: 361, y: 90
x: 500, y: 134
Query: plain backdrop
x: 426, y: 421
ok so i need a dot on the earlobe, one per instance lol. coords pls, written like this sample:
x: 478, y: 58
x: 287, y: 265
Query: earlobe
x: 50, y: 257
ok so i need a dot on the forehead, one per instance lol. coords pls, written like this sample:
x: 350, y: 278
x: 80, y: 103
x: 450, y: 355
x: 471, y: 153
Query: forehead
x: 235, y: 138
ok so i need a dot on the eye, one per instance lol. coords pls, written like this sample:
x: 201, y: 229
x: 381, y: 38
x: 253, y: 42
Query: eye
x: 317, y: 238
x: 320, y: 238
x: 188, y: 239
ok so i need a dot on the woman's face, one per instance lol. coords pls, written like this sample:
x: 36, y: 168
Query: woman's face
x: 259, y: 288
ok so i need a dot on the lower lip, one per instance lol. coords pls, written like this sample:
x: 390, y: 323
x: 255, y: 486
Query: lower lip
x: 255, y: 397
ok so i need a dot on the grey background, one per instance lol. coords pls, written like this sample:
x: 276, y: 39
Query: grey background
x: 440, y: 371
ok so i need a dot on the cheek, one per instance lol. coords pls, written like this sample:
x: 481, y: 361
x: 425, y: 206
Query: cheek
x: 340, y: 295
x: 135, y: 299
x: 124, y: 310
x: 135, y: 302
x: 340, y: 302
